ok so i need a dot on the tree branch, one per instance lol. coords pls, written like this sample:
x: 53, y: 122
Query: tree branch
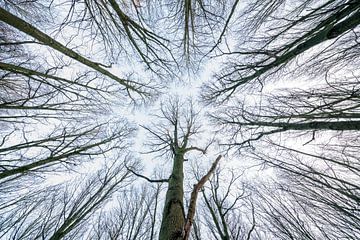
x: 194, y: 193
x: 146, y: 178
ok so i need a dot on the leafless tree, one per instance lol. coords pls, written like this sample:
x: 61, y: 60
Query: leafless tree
x: 309, y: 137
x: 41, y: 91
x: 33, y: 95
x: 63, y: 210
x: 227, y: 211
x: 66, y: 66
x: 49, y: 114
x: 128, y: 86
x: 133, y: 216
x: 324, y: 34
x: 331, y: 107
x: 309, y: 204
x: 123, y: 28
x: 172, y: 136
x: 315, y: 194
x: 59, y: 149
x: 197, y: 27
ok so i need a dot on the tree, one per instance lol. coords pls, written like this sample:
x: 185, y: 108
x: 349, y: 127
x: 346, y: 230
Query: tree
x: 41, y: 92
x: 317, y: 171
x: 227, y: 211
x: 122, y: 28
x: 327, y: 31
x: 135, y: 221
x: 59, y: 210
x: 32, y: 94
x: 172, y: 137
x: 284, y: 104
x: 320, y: 189
x: 307, y: 135
x: 328, y: 107
x: 44, y: 39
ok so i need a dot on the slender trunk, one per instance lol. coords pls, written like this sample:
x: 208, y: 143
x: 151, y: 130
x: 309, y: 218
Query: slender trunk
x: 30, y: 30
x: 345, y: 20
x: 315, y: 125
x: 172, y: 225
x: 193, y: 199
x: 51, y: 160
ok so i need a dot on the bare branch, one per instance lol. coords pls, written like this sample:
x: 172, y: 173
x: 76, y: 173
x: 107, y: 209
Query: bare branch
x: 193, y: 198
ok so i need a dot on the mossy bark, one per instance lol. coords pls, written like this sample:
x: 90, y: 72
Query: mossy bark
x: 172, y: 225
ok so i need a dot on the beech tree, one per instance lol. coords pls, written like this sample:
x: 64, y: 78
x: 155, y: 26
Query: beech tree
x: 61, y: 210
x: 308, y: 181
x: 283, y: 100
x: 328, y: 107
x: 49, y: 127
x: 33, y: 94
x: 306, y: 134
x: 310, y: 170
x: 227, y: 211
x: 173, y: 137
x: 137, y: 220
x: 323, y: 33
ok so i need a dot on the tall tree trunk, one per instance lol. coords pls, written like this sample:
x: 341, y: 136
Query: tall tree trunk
x: 45, y: 39
x: 172, y: 225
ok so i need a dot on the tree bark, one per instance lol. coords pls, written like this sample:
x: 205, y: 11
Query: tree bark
x: 315, y: 125
x: 172, y: 225
x: 194, y: 194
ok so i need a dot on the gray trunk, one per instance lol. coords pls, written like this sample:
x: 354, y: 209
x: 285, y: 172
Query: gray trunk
x: 172, y: 225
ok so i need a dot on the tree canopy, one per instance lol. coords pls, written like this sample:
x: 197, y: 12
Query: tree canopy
x: 194, y: 119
